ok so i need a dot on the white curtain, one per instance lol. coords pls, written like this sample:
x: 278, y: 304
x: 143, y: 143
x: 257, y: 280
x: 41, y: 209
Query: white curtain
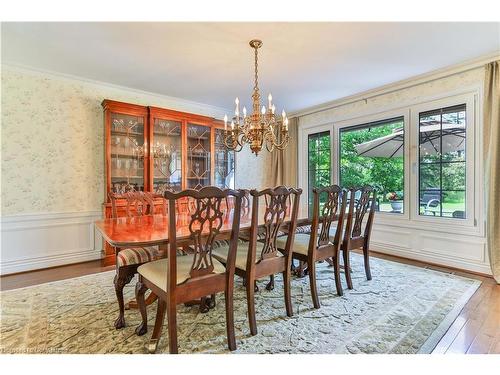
x: 492, y: 163
x: 284, y: 163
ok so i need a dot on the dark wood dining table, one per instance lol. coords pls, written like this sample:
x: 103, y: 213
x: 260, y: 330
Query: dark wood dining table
x: 152, y: 230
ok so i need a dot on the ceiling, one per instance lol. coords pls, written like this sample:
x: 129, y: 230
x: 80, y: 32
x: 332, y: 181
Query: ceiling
x: 302, y: 64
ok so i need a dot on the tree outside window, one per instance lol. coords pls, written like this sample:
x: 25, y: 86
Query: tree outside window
x: 373, y: 154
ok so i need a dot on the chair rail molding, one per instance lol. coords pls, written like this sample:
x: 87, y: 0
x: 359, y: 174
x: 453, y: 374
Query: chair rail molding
x: 34, y: 241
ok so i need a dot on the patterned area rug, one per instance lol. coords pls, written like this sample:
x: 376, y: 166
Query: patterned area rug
x: 404, y: 309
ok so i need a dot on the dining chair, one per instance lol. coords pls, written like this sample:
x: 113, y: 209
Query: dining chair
x: 127, y: 260
x: 319, y: 244
x: 258, y: 259
x: 179, y: 279
x: 355, y: 236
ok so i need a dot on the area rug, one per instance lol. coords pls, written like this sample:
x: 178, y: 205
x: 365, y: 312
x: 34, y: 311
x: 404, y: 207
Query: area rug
x: 403, y: 309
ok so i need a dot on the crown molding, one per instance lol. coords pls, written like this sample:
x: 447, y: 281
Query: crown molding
x: 201, y: 108
x: 400, y: 85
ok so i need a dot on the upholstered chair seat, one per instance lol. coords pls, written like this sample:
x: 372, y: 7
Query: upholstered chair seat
x: 301, y: 229
x: 221, y: 252
x: 300, y: 245
x: 157, y: 271
x: 137, y: 255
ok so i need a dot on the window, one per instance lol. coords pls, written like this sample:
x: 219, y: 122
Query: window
x: 373, y: 154
x: 319, y: 162
x: 442, y: 164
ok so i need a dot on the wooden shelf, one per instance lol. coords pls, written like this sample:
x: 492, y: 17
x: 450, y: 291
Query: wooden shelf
x: 114, y: 155
x: 206, y: 156
x: 167, y: 135
x: 124, y: 133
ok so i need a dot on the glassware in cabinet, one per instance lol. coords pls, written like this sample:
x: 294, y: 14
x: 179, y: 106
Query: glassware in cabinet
x: 166, y: 154
x: 127, y: 152
x: 224, y: 162
x: 198, y: 156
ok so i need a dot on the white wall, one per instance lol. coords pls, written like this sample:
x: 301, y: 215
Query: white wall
x: 53, y: 164
x: 407, y: 236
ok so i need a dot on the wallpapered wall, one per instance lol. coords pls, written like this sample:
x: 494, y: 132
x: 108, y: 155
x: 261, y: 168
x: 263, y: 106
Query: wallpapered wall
x: 52, y: 141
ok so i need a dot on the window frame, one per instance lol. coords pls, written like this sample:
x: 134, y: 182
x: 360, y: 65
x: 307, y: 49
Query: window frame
x: 471, y: 160
x: 303, y: 156
x: 322, y: 134
x: 336, y: 116
x: 381, y: 116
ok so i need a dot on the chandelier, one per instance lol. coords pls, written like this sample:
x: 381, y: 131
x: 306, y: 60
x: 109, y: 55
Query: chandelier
x: 261, y: 126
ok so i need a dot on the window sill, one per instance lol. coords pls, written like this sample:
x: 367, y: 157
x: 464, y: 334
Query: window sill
x: 446, y: 225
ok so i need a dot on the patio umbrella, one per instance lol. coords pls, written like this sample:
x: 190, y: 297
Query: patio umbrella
x: 388, y: 146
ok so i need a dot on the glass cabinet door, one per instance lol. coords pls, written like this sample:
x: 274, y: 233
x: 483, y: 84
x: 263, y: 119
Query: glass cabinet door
x: 224, y: 162
x: 166, y: 155
x: 127, y: 153
x: 198, y: 156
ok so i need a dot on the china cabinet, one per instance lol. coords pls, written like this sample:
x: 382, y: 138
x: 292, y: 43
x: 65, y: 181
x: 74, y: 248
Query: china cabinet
x: 155, y: 149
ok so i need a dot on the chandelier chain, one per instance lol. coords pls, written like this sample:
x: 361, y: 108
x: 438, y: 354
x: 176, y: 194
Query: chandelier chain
x: 256, y: 87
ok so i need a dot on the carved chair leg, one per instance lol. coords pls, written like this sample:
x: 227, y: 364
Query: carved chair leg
x: 140, y: 290
x: 172, y: 327
x: 160, y: 316
x: 312, y: 281
x: 270, y: 284
x: 121, y: 279
x: 366, y: 256
x: 231, y: 339
x: 336, y: 274
x: 347, y: 268
x: 251, y: 307
x: 287, y: 275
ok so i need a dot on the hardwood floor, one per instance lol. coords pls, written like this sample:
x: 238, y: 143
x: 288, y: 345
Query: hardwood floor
x: 475, y: 331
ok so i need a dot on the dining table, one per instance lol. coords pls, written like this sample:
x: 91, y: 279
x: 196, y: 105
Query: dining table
x: 152, y: 230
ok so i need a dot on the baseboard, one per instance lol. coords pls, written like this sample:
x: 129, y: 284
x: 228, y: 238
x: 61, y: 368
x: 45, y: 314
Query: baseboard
x: 30, y: 264
x: 35, y: 241
x: 481, y: 268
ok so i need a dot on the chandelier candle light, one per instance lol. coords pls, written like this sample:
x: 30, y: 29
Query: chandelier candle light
x: 261, y: 126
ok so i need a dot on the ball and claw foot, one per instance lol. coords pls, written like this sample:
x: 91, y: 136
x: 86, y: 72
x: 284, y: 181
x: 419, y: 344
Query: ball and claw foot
x: 141, y: 329
x: 211, y: 302
x: 204, y: 308
x: 151, y: 346
x: 270, y: 285
x: 120, y: 322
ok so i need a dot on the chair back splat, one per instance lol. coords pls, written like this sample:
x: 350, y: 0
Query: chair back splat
x: 207, y: 217
x: 357, y: 212
x: 278, y: 204
x: 332, y: 211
